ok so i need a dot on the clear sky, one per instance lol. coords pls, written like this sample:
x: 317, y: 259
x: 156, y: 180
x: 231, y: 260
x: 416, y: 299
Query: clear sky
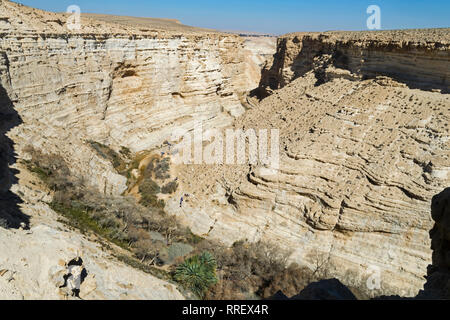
x: 275, y: 17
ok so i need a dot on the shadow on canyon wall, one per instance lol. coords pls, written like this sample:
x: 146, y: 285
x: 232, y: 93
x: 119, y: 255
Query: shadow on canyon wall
x: 313, y: 54
x: 438, y: 277
x: 11, y: 215
x: 437, y: 286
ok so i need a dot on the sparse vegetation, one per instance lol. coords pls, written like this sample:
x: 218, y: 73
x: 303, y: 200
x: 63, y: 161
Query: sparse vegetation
x: 170, y: 187
x: 149, y: 190
x: 197, y: 273
x: 244, y: 270
x: 193, y: 238
x: 126, y: 152
x: 162, y: 168
x: 144, y: 267
x: 157, y: 169
x: 109, y: 154
x: 78, y: 216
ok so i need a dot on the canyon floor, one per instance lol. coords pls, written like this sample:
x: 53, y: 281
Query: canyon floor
x: 91, y: 190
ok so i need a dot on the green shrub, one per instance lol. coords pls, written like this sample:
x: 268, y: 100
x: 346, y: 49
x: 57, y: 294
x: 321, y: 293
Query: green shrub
x: 170, y: 187
x: 109, y: 154
x: 197, y: 273
x: 161, y: 169
x: 149, y: 190
x: 148, y: 186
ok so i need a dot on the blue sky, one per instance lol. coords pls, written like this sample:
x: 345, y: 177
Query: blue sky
x: 275, y: 17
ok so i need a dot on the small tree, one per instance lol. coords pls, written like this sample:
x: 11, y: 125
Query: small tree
x: 197, y: 273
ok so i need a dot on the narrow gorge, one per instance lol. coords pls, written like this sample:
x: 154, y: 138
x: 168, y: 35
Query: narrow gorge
x: 364, y: 147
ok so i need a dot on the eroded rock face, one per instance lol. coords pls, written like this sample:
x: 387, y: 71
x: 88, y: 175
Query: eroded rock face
x: 36, y: 264
x: 117, y: 85
x: 419, y: 58
x: 438, y: 279
x: 360, y: 163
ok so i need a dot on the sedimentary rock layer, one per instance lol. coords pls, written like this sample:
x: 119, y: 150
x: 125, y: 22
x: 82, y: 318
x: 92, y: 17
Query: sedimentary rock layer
x: 113, y: 84
x: 419, y: 58
x: 117, y: 85
x: 360, y: 163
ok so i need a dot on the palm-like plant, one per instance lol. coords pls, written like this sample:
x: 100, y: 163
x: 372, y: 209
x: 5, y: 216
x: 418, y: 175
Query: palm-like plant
x: 197, y: 273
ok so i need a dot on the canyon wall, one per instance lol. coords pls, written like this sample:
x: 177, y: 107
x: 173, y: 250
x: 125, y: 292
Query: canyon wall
x: 406, y: 56
x: 122, y: 86
x: 115, y: 85
x: 361, y: 160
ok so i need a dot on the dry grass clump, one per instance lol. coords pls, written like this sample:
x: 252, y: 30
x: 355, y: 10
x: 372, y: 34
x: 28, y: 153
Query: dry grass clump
x: 109, y: 154
x: 149, y: 190
x: 170, y: 187
x: 249, y: 270
x: 157, y: 170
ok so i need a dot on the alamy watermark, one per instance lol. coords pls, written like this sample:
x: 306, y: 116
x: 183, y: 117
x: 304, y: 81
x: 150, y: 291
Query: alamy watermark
x: 374, y: 20
x: 74, y: 20
x: 228, y: 146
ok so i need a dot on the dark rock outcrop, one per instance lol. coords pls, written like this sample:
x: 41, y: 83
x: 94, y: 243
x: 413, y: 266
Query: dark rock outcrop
x: 331, y: 289
x: 438, y: 279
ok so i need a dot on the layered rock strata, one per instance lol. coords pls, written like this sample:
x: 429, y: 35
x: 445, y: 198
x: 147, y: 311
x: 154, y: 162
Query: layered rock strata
x: 123, y: 86
x: 419, y: 58
x: 114, y: 84
x: 360, y: 163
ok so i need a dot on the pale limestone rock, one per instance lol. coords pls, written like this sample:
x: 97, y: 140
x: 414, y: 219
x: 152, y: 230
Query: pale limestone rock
x: 118, y: 86
x: 37, y: 272
x: 361, y: 160
x: 355, y: 183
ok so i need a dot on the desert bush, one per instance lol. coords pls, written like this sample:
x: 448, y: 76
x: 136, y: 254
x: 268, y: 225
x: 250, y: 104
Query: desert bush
x: 321, y: 262
x: 149, y: 190
x: 170, y: 187
x: 291, y: 281
x: 136, y: 234
x: 148, y: 171
x: 192, y: 238
x: 162, y: 168
x: 53, y: 170
x: 197, y: 273
x: 109, y: 154
x: 175, y: 252
x: 246, y: 269
x: 148, y: 186
x: 148, y: 250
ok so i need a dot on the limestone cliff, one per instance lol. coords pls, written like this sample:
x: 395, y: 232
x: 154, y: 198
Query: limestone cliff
x: 420, y: 59
x: 363, y: 147
x: 360, y: 163
x: 124, y: 86
x: 113, y: 84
